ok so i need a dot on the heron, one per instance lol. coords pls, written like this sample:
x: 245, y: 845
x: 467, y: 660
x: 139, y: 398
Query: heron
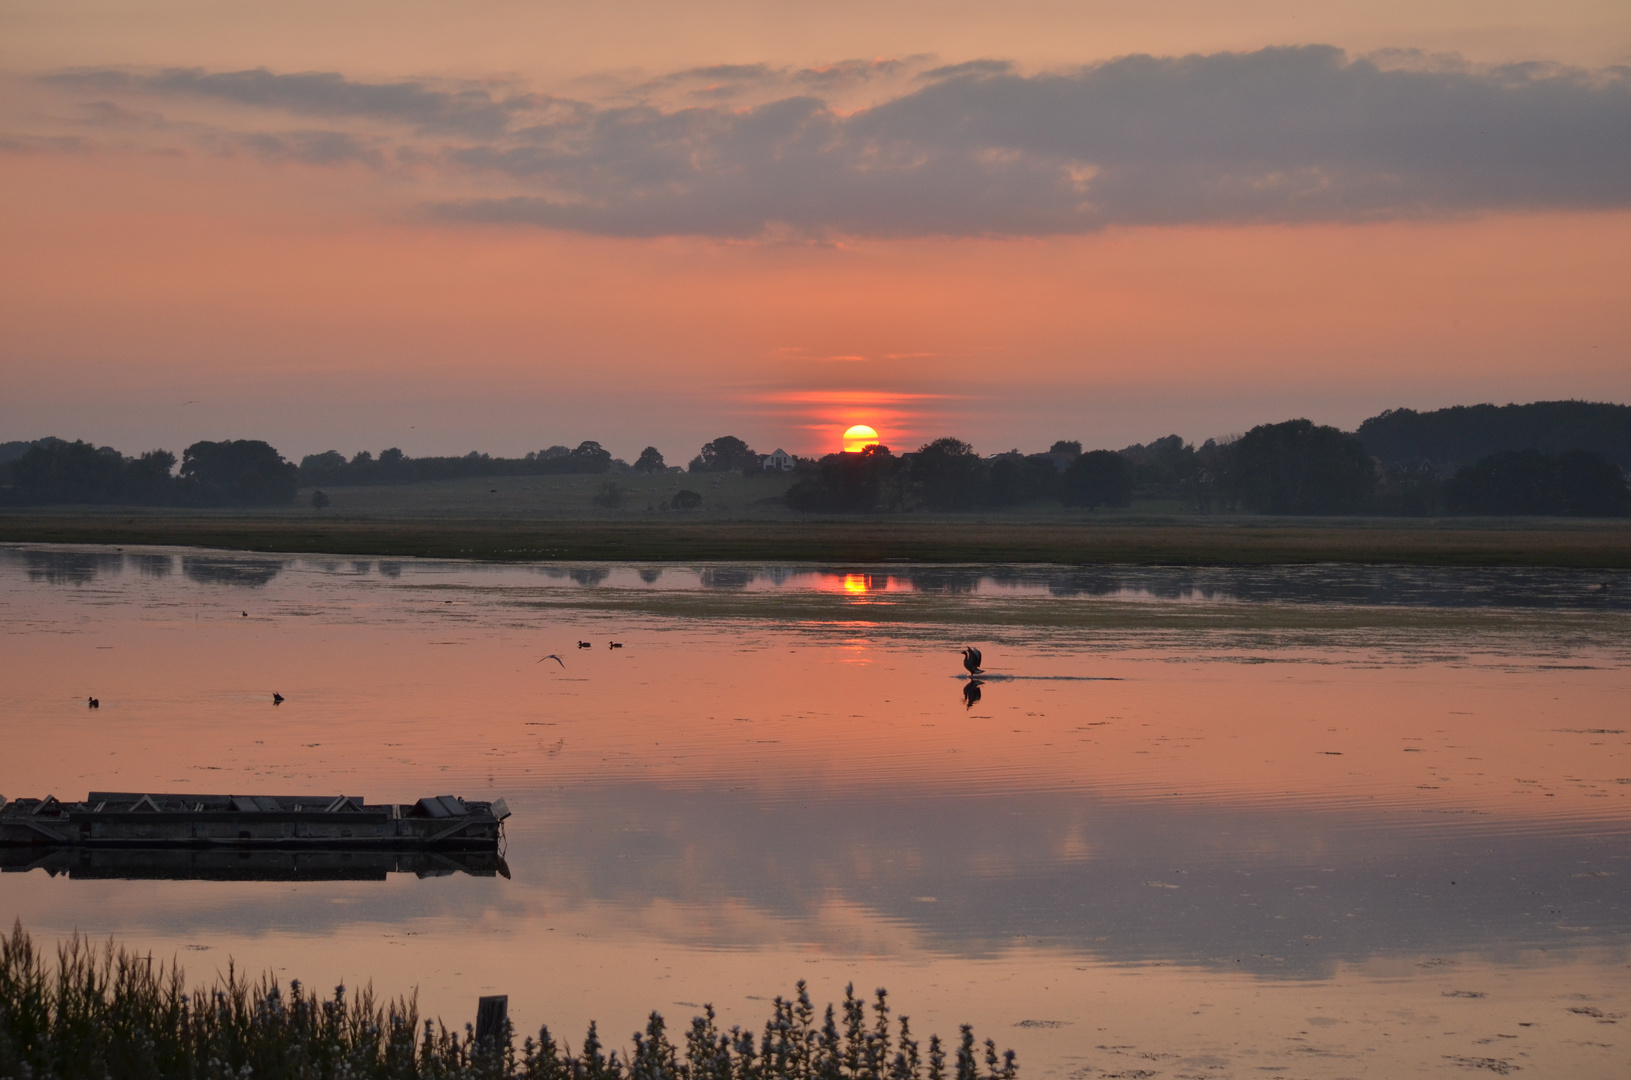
x: 553, y: 657
x: 277, y: 698
x: 971, y: 660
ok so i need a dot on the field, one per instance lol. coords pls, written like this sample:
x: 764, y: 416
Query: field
x: 743, y: 518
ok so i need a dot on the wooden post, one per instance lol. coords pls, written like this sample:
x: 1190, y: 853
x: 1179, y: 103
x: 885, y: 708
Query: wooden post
x: 491, y: 1012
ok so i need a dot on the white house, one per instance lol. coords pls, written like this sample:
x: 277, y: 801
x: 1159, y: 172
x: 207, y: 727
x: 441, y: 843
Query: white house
x: 781, y: 461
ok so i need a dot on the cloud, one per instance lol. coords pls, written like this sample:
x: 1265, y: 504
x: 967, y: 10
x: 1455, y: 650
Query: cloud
x: 1281, y: 135
x: 470, y: 110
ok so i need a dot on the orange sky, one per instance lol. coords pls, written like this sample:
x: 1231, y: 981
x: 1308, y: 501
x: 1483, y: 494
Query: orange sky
x: 158, y: 254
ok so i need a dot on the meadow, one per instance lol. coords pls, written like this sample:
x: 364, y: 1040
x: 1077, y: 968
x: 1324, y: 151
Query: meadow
x: 558, y: 517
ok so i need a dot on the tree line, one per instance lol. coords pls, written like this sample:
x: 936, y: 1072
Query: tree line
x: 1295, y: 467
x: 1553, y: 458
x: 236, y: 472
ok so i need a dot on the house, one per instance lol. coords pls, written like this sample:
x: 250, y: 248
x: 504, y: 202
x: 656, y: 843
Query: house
x: 780, y: 461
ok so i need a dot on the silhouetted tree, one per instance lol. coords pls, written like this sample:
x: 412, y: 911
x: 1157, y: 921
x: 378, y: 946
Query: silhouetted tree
x: 1465, y: 434
x: 55, y: 471
x: 1072, y: 447
x: 1014, y: 479
x: 590, y: 458
x: 239, y: 472
x: 1579, y: 483
x: 319, y: 500
x: 649, y: 461
x: 1097, y: 478
x: 949, y: 475
x: 858, y: 482
x: 1299, y: 468
x: 1163, y: 465
x: 724, y: 454
x: 610, y: 495
x: 685, y: 499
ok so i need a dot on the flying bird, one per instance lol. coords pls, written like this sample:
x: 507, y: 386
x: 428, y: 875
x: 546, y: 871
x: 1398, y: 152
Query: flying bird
x: 971, y: 660
x: 277, y: 698
x: 553, y: 657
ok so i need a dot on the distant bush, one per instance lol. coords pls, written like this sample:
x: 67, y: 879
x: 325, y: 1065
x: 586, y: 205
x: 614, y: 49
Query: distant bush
x: 610, y: 496
x: 686, y: 500
x: 109, y: 1012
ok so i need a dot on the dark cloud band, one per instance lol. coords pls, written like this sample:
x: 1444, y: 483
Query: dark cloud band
x: 1283, y: 135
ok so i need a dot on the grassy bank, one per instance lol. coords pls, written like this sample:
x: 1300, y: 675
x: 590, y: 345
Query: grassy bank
x: 1107, y: 539
x: 97, y: 1014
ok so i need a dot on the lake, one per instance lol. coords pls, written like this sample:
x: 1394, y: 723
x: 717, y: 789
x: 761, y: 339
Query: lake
x: 1314, y: 821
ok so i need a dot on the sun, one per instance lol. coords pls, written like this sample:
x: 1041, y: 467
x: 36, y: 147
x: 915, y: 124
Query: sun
x: 859, y: 438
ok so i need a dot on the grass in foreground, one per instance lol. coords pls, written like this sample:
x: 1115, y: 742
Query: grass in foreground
x: 109, y: 1014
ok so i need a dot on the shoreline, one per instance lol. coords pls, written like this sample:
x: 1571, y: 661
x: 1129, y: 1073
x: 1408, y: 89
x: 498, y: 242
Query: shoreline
x: 1214, y: 542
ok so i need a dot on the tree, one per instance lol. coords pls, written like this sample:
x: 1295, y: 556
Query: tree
x: 1466, y: 434
x: 1015, y: 480
x: 1579, y: 483
x: 56, y: 471
x: 610, y: 495
x: 724, y: 454
x: 686, y: 500
x: 949, y: 475
x: 147, y: 479
x: 649, y: 461
x: 589, y: 457
x: 318, y: 500
x: 240, y: 472
x: 851, y: 483
x: 1097, y: 478
x: 1299, y: 468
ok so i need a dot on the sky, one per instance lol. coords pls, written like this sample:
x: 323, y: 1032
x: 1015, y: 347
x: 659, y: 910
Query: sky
x: 501, y: 226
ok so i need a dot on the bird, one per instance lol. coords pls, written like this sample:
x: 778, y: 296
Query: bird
x: 971, y: 660
x: 614, y: 644
x: 586, y: 645
x: 277, y: 698
x: 971, y: 693
x: 553, y: 657
x: 246, y: 614
x: 92, y: 703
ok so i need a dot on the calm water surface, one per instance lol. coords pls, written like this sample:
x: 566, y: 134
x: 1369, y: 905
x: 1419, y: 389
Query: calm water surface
x: 1316, y: 822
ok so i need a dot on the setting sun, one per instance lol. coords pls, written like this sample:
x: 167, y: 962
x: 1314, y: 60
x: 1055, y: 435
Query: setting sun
x: 859, y: 438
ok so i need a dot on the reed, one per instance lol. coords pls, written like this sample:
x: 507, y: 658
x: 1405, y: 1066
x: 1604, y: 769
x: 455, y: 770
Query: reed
x: 107, y: 1013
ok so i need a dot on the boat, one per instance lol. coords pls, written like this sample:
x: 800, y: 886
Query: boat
x: 123, y: 819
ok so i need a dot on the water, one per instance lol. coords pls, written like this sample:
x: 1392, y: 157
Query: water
x: 1321, y: 822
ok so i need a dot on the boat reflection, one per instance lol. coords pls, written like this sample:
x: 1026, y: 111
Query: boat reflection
x: 213, y: 864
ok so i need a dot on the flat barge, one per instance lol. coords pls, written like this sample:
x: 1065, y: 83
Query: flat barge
x: 123, y: 819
